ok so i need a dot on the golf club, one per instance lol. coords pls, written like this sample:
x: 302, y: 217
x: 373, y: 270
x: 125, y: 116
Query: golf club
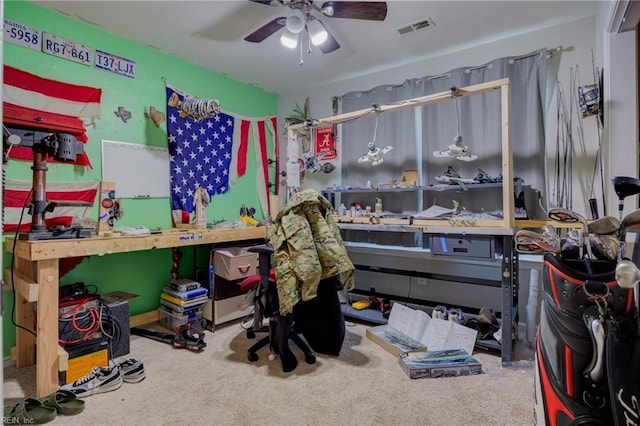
x: 569, y: 216
x: 630, y: 223
x: 624, y: 186
x: 627, y: 276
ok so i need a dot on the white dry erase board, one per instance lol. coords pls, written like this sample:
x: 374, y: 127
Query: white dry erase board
x: 139, y: 171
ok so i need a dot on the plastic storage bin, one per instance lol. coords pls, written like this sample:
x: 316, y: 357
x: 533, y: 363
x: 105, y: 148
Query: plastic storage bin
x: 172, y: 321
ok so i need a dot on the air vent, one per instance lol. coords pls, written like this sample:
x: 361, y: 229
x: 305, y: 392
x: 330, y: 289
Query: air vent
x: 418, y: 26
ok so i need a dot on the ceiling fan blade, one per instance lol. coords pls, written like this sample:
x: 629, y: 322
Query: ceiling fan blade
x: 330, y: 44
x: 268, y: 2
x: 266, y: 30
x: 367, y: 10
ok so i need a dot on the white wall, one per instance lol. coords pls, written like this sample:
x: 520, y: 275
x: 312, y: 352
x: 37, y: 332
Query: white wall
x: 578, y: 36
x: 582, y: 39
x: 620, y: 52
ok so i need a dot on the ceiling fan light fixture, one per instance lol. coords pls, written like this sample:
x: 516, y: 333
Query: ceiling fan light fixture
x: 317, y: 32
x: 289, y: 39
x: 295, y: 21
x: 327, y: 10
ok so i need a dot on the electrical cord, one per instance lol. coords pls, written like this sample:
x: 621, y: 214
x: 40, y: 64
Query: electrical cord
x: 109, y: 327
x: 13, y: 265
x: 81, y: 322
x: 406, y: 303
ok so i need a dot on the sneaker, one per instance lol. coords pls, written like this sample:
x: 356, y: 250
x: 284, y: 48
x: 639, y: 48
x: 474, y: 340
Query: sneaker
x: 457, y: 316
x: 487, y: 316
x: 99, y: 380
x: 385, y: 307
x: 440, y: 312
x: 132, y: 370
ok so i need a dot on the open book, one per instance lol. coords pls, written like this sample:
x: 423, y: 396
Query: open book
x: 412, y: 329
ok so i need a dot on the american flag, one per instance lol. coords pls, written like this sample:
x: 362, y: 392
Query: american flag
x: 200, y: 154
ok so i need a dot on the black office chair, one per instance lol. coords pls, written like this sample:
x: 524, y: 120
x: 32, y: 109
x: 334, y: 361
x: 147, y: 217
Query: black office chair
x: 263, y: 286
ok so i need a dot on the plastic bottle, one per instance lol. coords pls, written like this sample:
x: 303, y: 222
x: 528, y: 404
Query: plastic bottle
x: 342, y: 210
x: 378, y: 206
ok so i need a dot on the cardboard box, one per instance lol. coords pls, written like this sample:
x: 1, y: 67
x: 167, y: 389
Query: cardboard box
x: 432, y: 364
x: 409, y: 177
x: 393, y: 341
x: 83, y: 357
x: 221, y: 311
x: 234, y: 263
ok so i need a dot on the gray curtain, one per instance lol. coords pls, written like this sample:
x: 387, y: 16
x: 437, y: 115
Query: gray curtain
x: 394, y: 128
x: 480, y: 120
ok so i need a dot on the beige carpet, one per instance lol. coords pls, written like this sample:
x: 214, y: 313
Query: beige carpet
x: 365, y: 385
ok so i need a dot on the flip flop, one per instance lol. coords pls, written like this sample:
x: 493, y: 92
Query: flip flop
x: 64, y: 402
x: 30, y: 411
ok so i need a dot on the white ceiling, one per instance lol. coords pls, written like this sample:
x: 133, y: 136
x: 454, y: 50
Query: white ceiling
x: 211, y: 34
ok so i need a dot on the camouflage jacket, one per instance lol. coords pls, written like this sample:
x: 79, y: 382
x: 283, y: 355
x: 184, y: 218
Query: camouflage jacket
x: 307, y: 248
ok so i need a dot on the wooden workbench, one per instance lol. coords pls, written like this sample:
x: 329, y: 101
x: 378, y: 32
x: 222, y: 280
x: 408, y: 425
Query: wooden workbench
x: 36, y: 279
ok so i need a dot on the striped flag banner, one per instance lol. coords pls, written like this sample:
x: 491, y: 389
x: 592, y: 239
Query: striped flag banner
x: 44, y: 94
x: 17, y: 193
x: 57, y: 105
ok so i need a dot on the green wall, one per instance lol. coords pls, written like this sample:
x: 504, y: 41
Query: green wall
x: 143, y: 273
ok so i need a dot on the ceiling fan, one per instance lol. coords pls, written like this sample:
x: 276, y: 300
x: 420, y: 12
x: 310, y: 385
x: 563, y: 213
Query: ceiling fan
x: 301, y: 18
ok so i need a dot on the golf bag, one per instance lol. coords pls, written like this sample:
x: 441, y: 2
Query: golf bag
x: 587, y: 348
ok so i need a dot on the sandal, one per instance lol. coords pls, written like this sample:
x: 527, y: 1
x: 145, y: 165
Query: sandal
x: 64, y: 402
x: 30, y: 411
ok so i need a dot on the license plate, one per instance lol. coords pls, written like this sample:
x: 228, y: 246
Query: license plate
x: 16, y: 33
x: 66, y: 49
x: 116, y: 64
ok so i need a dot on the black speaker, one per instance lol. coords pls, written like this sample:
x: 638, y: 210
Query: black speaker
x: 115, y: 322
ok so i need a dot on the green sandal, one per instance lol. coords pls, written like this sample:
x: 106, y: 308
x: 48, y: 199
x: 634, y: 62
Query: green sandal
x: 30, y: 411
x: 64, y: 402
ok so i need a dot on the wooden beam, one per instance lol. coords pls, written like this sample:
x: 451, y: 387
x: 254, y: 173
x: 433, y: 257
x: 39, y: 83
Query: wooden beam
x: 59, y: 249
x: 508, y: 206
x: 47, y: 328
x: 410, y: 103
x: 25, y: 341
x: 145, y: 318
x: 63, y: 359
x: 24, y: 286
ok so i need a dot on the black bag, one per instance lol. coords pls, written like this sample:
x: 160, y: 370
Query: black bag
x: 320, y: 320
x: 587, y: 349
